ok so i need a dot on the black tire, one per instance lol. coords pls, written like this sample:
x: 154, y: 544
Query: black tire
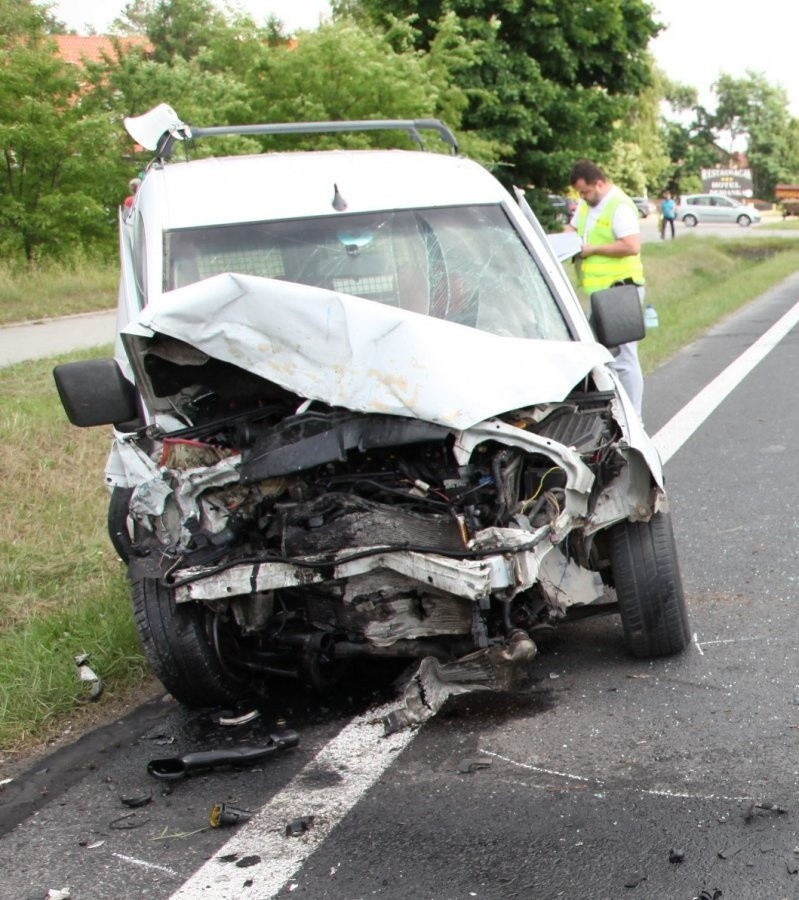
x: 689, y: 221
x: 118, y: 529
x: 178, y: 641
x: 744, y: 221
x: 648, y: 587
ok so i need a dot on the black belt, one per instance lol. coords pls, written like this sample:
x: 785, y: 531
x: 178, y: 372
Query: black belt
x: 625, y: 281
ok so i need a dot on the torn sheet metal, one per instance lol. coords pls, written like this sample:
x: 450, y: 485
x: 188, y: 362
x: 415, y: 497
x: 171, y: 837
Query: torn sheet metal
x: 349, y: 352
x: 496, y: 668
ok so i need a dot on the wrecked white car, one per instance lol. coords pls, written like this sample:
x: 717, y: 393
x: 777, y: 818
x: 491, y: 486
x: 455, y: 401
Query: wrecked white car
x: 358, y: 412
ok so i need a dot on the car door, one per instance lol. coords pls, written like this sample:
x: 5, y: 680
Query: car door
x: 724, y: 209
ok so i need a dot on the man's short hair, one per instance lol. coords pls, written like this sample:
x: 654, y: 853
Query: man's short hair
x: 589, y: 171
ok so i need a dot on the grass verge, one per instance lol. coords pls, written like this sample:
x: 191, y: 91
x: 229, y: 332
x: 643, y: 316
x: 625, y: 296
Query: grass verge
x: 60, y: 289
x: 695, y: 283
x: 63, y: 592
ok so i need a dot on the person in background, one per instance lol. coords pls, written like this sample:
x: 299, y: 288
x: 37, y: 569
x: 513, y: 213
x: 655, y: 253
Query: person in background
x: 668, y: 213
x: 133, y: 186
x: 607, y: 222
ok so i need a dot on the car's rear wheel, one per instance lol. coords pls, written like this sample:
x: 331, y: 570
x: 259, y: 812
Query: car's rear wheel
x: 180, y: 640
x: 648, y: 587
x: 744, y: 221
x: 689, y: 220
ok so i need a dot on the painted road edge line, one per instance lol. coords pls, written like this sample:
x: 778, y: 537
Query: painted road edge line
x: 682, y: 425
x: 357, y: 757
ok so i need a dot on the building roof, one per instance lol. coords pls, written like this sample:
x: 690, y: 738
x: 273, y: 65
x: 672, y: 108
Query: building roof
x: 75, y: 48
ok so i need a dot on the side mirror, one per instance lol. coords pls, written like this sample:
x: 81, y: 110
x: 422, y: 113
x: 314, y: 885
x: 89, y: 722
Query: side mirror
x: 617, y: 316
x: 95, y: 392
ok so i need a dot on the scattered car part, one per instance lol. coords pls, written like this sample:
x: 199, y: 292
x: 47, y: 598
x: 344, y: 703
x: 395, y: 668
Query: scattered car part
x: 88, y: 675
x: 299, y: 826
x: 470, y: 766
x: 175, y: 768
x: 223, y: 815
x: 137, y: 801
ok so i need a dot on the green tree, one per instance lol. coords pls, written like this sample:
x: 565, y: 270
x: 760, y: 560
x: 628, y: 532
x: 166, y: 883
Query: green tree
x: 57, y: 187
x: 552, y: 79
x: 753, y: 112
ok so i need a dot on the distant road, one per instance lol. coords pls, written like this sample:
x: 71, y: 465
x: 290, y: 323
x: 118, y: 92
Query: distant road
x: 48, y: 337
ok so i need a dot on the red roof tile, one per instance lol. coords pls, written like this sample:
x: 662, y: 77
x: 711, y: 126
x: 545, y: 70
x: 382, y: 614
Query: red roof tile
x: 75, y: 48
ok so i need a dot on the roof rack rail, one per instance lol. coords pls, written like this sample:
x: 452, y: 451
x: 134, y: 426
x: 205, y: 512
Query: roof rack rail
x: 411, y: 126
x: 160, y: 128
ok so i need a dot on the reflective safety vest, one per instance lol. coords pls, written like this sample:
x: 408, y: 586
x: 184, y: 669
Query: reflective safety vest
x: 598, y: 272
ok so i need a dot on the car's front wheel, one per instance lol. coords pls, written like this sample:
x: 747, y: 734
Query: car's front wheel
x: 180, y: 641
x: 649, y: 587
x: 690, y: 221
x: 744, y: 221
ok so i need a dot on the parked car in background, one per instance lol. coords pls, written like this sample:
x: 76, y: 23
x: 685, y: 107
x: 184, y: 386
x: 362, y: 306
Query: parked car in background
x: 645, y: 206
x: 710, y: 208
x: 563, y: 206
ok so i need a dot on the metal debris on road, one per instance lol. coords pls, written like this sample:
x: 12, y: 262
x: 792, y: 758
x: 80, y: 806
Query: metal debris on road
x: 222, y: 815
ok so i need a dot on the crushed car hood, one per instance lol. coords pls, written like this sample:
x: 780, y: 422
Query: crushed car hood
x: 365, y: 356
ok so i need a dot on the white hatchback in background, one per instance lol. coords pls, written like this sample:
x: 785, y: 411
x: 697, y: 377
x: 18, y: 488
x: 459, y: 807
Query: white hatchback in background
x: 359, y: 412
x: 694, y: 209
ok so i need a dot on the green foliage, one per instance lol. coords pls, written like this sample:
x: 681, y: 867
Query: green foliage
x: 58, y: 163
x: 552, y: 79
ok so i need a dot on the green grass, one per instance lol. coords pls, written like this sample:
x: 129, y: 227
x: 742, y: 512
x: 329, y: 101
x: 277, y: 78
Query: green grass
x: 697, y: 282
x: 52, y: 289
x: 780, y: 224
x: 62, y: 590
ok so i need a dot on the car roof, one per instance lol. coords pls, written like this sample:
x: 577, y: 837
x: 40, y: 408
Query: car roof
x: 297, y: 184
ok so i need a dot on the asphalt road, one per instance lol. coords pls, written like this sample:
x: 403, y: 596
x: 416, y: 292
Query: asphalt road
x: 608, y: 777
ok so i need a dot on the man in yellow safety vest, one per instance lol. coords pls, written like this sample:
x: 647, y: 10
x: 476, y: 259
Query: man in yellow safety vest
x: 607, y: 221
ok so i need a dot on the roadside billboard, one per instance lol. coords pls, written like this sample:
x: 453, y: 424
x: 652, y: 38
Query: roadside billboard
x: 728, y: 182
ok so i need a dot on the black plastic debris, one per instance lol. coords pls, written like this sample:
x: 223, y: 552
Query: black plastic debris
x: 246, y: 861
x: 127, y: 822
x: 223, y: 815
x: 709, y: 895
x: 136, y: 802
x: 634, y: 880
x: 299, y: 826
x: 676, y: 856
x: 468, y: 766
x: 176, y: 767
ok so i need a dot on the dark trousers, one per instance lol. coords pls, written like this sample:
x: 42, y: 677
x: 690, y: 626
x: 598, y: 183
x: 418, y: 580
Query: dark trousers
x: 663, y: 223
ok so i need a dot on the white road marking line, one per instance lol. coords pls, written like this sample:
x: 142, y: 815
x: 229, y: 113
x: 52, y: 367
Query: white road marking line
x: 598, y: 783
x: 698, y: 645
x: 543, y: 771
x: 682, y: 425
x: 147, y: 865
x: 353, y: 761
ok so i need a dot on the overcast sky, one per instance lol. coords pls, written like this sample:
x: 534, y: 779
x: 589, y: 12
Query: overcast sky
x: 703, y: 37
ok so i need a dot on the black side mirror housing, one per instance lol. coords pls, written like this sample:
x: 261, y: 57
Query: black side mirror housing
x: 95, y: 392
x: 617, y: 316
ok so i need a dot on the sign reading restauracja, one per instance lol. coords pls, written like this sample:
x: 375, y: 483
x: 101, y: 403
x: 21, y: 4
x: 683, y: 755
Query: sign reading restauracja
x: 729, y: 182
